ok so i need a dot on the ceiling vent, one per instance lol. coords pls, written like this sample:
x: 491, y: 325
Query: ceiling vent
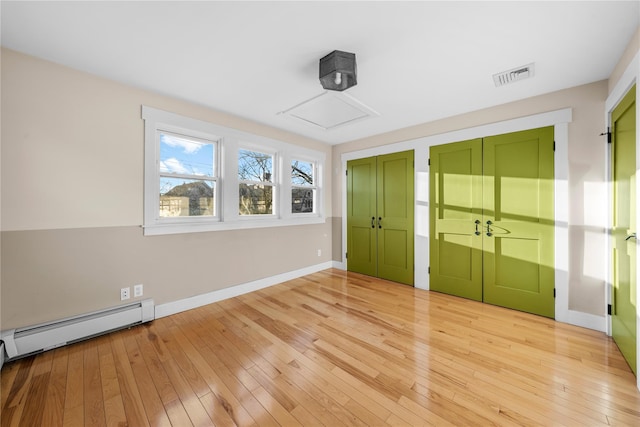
x: 513, y: 75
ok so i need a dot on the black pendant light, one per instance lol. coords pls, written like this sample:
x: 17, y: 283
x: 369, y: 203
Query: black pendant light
x: 338, y: 70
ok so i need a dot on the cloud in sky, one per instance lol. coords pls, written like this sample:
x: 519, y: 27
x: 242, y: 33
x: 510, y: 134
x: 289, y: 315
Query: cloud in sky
x: 173, y: 165
x: 187, y: 145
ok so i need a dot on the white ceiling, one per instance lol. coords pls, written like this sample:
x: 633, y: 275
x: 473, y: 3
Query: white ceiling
x: 417, y: 61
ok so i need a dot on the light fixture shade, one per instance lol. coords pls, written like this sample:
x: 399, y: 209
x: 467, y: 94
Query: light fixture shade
x: 338, y: 71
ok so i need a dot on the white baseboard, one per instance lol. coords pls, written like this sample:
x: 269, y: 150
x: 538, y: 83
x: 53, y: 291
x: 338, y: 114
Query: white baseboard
x: 174, y: 307
x: 340, y: 265
x: 585, y: 320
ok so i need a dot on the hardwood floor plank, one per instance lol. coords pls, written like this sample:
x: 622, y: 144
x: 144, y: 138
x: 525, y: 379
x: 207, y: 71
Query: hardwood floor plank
x: 74, y: 417
x: 217, y: 413
x: 281, y: 415
x: 208, y: 366
x: 14, y: 403
x: 133, y: 406
x: 332, y: 348
x: 33, y: 409
x: 53, y: 413
x: 74, y: 397
x: 113, y: 406
x: 94, y: 414
x: 8, y: 375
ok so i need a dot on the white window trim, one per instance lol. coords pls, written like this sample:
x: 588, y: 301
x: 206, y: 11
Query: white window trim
x: 273, y: 183
x: 229, y: 142
x: 215, y: 178
x: 314, y: 187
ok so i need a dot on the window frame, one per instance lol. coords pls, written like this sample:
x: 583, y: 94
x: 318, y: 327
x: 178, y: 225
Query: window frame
x: 228, y: 141
x: 275, y: 209
x: 215, y: 178
x: 314, y: 187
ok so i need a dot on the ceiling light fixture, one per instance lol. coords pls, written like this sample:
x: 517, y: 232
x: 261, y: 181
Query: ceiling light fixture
x: 338, y: 70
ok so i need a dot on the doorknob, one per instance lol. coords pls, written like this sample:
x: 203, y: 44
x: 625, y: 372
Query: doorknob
x: 632, y: 235
x: 488, y: 229
x: 373, y: 222
x: 379, y: 222
x: 477, y: 231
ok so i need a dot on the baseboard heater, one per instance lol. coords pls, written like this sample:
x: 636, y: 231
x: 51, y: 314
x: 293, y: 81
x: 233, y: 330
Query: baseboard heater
x: 22, y: 342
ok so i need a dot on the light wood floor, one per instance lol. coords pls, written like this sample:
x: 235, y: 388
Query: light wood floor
x: 331, y: 348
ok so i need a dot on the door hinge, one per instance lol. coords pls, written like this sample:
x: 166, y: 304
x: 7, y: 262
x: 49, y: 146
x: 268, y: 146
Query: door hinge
x: 428, y: 270
x: 608, y: 133
x: 554, y: 292
x: 346, y: 172
x: 609, y: 309
x: 428, y: 162
x: 554, y: 146
x: 346, y: 255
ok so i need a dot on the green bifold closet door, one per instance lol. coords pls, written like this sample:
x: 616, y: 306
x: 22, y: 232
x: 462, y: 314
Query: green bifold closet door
x: 623, y: 233
x: 492, y: 220
x: 380, y: 211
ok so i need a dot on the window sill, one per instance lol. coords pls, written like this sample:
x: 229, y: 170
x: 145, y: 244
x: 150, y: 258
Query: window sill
x: 241, y: 224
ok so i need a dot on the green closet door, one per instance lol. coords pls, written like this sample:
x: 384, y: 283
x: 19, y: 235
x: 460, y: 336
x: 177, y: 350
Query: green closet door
x: 361, y: 216
x: 395, y: 212
x: 518, y: 220
x: 623, y: 309
x: 380, y: 212
x: 455, y: 186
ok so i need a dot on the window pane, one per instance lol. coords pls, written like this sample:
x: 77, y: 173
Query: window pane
x: 191, y: 197
x: 301, y: 173
x: 254, y: 166
x: 302, y: 200
x: 256, y: 199
x: 186, y: 156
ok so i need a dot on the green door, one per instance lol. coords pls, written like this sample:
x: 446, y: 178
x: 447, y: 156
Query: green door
x: 455, y: 209
x: 395, y: 213
x: 518, y: 216
x: 492, y: 220
x: 623, y: 310
x: 362, y: 250
x: 380, y: 216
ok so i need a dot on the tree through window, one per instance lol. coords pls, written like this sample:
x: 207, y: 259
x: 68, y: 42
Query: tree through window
x: 303, y: 188
x: 256, y: 187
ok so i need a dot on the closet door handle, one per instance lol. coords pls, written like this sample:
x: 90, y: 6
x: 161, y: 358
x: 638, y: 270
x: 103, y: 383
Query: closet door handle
x: 379, y: 222
x: 488, y: 229
x: 373, y: 222
x: 477, y: 224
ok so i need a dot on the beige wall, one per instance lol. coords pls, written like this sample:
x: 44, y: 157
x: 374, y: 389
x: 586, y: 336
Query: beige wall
x: 72, y: 187
x: 587, y: 178
x: 632, y: 49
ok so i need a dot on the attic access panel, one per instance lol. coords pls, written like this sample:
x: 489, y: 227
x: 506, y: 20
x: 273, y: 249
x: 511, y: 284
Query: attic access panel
x: 330, y: 110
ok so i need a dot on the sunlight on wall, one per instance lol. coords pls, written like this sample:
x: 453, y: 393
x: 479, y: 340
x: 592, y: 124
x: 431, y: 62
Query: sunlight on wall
x: 594, y: 251
x: 422, y: 204
x: 595, y: 205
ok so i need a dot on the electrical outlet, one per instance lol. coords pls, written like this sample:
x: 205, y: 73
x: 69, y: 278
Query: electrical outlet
x: 137, y: 290
x: 125, y: 293
x: 319, y: 252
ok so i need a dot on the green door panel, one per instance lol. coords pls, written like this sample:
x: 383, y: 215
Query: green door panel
x: 455, y: 186
x: 380, y: 216
x: 395, y: 212
x: 623, y: 313
x: 518, y: 220
x: 361, y: 211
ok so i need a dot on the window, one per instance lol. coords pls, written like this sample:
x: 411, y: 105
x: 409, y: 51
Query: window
x: 255, y: 176
x: 303, y: 188
x: 199, y: 176
x: 187, y: 173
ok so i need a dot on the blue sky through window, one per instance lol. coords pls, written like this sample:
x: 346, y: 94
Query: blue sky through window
x: 186, y: 156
